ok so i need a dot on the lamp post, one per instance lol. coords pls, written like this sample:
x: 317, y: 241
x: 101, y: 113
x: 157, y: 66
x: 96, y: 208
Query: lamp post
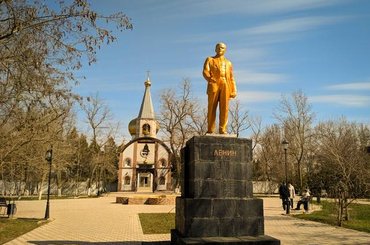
x: 98, y: 185
x: 285, y: 144
x: 49, y: 158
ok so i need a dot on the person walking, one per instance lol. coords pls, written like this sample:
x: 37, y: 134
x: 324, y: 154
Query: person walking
x: 291, y: 194
x: 284, y: 195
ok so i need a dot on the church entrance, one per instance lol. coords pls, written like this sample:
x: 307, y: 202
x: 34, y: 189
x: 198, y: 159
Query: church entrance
x: 145, y: 182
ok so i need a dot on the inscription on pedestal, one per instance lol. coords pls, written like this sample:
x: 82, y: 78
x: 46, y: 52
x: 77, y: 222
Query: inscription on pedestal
x: 214, y: 149
x: 224, y: 153
x: 216, y: 167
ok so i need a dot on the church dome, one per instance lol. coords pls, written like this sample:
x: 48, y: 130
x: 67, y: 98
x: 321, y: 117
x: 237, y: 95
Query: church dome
x: 144, y: 124
x: 132, y: 127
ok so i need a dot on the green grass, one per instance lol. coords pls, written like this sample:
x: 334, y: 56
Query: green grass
x: 13, y: 228
x: 359, y: 216
x: 160, y: 223
x: 157, y: 223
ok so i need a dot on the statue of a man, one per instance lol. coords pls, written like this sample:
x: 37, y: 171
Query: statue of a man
x: 218, y: 71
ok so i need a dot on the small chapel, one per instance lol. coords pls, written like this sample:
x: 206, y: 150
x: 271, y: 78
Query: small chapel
x: 145, y: 161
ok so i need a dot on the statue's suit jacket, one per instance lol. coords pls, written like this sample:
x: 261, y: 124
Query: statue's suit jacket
x: 213, y: 76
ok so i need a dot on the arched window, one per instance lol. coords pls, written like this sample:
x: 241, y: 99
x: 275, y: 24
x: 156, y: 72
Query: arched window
x: 146, y: 129
x: 127, y: 162
x: 127, y: 180
x: 162, y: 180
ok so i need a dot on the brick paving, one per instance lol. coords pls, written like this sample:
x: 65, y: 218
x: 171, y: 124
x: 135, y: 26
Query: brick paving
x: 292, y: 231
x: 102, y: 221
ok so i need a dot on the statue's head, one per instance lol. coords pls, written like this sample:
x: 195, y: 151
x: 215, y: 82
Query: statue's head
x: 220, y: 48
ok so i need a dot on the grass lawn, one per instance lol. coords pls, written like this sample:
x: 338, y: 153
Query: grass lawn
x: 13, y: 228
x: 160, y: 223
x: 157, y: 223
x: 359, y: 216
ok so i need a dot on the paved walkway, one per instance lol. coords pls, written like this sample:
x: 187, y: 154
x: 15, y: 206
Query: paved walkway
x: 102, y: 221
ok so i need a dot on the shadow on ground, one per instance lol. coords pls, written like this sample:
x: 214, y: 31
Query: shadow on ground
x: 61, y: 242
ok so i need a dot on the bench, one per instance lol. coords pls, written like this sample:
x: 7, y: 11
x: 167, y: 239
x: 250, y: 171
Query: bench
x: 3, y: 204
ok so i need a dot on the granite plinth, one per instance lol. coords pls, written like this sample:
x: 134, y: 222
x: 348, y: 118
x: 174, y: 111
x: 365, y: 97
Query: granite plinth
x: 217, y: 167
x: 210, y: 217
x: 216, y: 204
x: 239, y: 240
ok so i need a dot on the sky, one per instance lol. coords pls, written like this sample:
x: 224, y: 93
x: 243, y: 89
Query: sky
x: 321, y: 47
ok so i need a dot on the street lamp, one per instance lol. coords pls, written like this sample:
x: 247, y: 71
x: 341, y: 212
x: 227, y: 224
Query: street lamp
x: 49, y: 158
x: 285, y: 144
x: 99, y: 173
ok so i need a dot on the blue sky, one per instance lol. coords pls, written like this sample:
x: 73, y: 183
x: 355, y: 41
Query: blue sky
x: 276, y: 47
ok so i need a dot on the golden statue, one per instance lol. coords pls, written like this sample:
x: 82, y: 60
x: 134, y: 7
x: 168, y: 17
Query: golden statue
x: 218, y: 71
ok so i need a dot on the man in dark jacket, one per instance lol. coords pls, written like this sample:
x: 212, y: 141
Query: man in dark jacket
x: 284, y: 194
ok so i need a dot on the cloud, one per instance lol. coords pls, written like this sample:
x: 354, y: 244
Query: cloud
x: 258, y: 96
x: 349, y: 100
x: 271, y: 32
x: 91, y: 86
x: 252, y: 77
x: 291, y: 25
x: 198, y: 8
x: 271, y: 6
x: 182, y: 73
x: 247, y: 54
x: 350, y: 86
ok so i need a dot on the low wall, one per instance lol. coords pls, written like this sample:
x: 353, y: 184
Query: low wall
x: 265, y: 187
x: 160, y: 200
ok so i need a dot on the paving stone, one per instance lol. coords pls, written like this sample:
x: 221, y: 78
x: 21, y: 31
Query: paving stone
x: 101, y: 220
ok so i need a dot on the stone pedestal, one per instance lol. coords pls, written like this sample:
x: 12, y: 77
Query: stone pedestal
x: 217, y: 204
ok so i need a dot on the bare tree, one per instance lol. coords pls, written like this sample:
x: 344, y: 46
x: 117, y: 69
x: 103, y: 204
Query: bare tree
x: 256, y: 128
x: 40, y: 49
x: 268, y: 161
x: 98, y: 117
x: 342, y: 162
x: 239, y: 119
x: 177, y: 116
x: 296, y: 117
x: 70, y: 29
x: 198, y: 120
x: 25, y: 144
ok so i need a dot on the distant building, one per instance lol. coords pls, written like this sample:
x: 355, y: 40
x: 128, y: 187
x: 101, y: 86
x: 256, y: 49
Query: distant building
x: 145, y: 161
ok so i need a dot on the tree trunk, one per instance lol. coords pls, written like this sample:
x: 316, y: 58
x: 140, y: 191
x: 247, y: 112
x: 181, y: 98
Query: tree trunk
x: 41, y: 184
x: 77, y: 178
x: 340, y: 211
x: 341, y: 206
x: 88, y: 186
x: 346, y: 213
x: 300, y: 177
x: 59, y: 183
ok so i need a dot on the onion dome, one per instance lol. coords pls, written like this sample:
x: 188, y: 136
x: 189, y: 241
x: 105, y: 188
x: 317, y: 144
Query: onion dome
x: 132, y: 126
